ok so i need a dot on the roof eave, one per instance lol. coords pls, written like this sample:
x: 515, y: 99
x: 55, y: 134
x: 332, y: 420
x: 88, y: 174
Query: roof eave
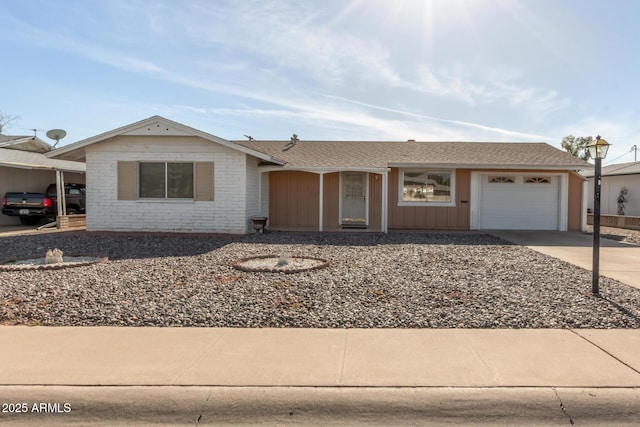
x: 491, y: 166
x: 18, y: 165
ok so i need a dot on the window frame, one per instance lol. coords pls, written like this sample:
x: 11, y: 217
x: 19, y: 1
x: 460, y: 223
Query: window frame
x: 452, y: 186
x: 537, y: 179
x: 166, y: 181
x: 501, y: 179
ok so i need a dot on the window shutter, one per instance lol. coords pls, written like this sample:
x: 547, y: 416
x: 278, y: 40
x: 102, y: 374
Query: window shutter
x: 204, y: 181
x: 127, y: 180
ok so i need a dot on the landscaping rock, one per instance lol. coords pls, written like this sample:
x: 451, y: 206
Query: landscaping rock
x: 398, y: 280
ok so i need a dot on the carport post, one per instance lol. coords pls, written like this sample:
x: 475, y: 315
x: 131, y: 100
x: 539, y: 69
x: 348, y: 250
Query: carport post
x: 59, y: 185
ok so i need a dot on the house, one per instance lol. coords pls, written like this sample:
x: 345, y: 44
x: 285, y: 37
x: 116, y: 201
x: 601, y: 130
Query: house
x: 614, y: 177
x: 160, y: 175
x: 25, y: 168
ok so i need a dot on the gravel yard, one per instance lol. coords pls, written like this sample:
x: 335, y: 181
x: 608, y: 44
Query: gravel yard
x: 399, y: 280
x: 619, y: 234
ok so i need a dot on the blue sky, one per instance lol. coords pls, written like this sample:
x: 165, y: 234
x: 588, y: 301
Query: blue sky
x: 472, y: 70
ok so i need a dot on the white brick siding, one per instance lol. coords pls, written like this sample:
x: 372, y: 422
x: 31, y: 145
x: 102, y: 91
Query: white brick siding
x: 228, y: 212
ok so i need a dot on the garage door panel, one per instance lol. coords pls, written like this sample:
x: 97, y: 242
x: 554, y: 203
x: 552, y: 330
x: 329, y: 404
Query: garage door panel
x: 519, y: 205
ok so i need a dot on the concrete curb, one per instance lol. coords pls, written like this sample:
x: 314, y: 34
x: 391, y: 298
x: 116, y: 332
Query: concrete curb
x: 320, y: 406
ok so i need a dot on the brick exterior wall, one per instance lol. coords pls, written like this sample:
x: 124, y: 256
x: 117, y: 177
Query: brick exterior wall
x: 227, y: 213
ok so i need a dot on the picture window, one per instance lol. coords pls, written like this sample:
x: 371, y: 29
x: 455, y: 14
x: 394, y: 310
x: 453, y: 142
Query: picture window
x: 165, y: 180
x: 427, y: 187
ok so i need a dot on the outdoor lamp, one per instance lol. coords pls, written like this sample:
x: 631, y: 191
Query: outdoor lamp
x: 597, y: 150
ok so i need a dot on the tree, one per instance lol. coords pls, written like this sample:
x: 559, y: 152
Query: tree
x: 5, y: 121
x: 577, y: 146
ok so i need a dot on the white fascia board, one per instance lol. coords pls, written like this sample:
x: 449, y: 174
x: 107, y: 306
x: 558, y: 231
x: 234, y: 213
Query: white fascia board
x: 25, y: 166
x: 488, y: 166
x: 322, y: 170
x: 27, y: 139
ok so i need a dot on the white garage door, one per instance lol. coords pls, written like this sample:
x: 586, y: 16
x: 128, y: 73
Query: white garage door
x: 516, y: 202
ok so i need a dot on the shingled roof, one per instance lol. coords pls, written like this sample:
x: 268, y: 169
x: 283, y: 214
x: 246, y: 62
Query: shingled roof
x: 24, y: 142
x: 631, y: 168
x: 377, y: 154
x: 31, y: 160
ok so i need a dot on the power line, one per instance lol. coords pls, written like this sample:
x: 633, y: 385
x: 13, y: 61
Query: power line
x: 624, y: 154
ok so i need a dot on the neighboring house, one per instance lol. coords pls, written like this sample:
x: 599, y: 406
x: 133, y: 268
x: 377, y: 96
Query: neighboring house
x: 25, y: 168
x: 160, y: 175
x: 614, y: 177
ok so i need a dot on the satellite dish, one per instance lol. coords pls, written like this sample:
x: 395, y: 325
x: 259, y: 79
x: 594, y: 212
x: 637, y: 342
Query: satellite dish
x: 56, y: 134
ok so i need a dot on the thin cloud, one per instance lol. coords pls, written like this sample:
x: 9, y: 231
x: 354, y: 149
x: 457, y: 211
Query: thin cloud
x: 500, y: 131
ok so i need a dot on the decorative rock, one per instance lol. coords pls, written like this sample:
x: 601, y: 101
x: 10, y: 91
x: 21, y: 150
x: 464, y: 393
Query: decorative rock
x: 283, y: 261
x: 399, y: 280
x: 49, y: 257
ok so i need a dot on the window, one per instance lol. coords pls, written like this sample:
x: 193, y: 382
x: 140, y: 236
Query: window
x: 538, y: 180
x: 165, y: 180
x: 502, y: 179
x: 427, y: 187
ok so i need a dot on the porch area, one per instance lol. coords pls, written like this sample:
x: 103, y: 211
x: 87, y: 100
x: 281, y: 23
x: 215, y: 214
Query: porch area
x: 352, y: 200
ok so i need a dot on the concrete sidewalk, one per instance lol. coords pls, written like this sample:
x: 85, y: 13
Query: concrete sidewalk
x: 619, y: 261
x: 192, y: 376
x: 319, y: 357
x: 356, y: 376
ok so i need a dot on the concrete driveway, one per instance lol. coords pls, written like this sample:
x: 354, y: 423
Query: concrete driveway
x: 619, y: 261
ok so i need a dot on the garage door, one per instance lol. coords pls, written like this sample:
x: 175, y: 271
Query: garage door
x: 517, y: 202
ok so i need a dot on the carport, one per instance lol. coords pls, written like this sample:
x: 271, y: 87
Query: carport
x: 26, y: 169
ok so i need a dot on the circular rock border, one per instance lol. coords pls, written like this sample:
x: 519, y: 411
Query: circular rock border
x: 287, y: 269
x: 68, y: 262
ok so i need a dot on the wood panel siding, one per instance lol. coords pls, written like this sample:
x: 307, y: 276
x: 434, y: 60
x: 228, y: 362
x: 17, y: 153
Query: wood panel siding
x: 375, y: 201
x: 294, y: 199
x: 204, y: 181
x: 127, y: 180
x: 331, y: 200
x: 425, y: 217
x: 575, y: 203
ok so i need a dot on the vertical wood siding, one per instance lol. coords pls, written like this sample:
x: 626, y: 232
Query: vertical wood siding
x: 424, y: 217
x: 575, y: 203
x: 293, y: 202
x: 375, y: 201
x: 331, y: 200
x: 293, y: 199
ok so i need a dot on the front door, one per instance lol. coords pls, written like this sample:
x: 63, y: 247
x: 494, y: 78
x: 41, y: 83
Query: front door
x: 354, y: 199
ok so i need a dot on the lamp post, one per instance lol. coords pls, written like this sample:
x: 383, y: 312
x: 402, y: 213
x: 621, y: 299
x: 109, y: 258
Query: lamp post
x: 597, y: 150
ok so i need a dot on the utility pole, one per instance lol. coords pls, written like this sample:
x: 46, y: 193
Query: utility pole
x: 635, y: 153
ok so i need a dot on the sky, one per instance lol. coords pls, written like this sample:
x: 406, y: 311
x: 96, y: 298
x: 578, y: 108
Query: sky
x: 429, y: 70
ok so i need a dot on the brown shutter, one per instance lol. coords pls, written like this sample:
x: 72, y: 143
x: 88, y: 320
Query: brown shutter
x: 127, y: 180
x: 204, y: 181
